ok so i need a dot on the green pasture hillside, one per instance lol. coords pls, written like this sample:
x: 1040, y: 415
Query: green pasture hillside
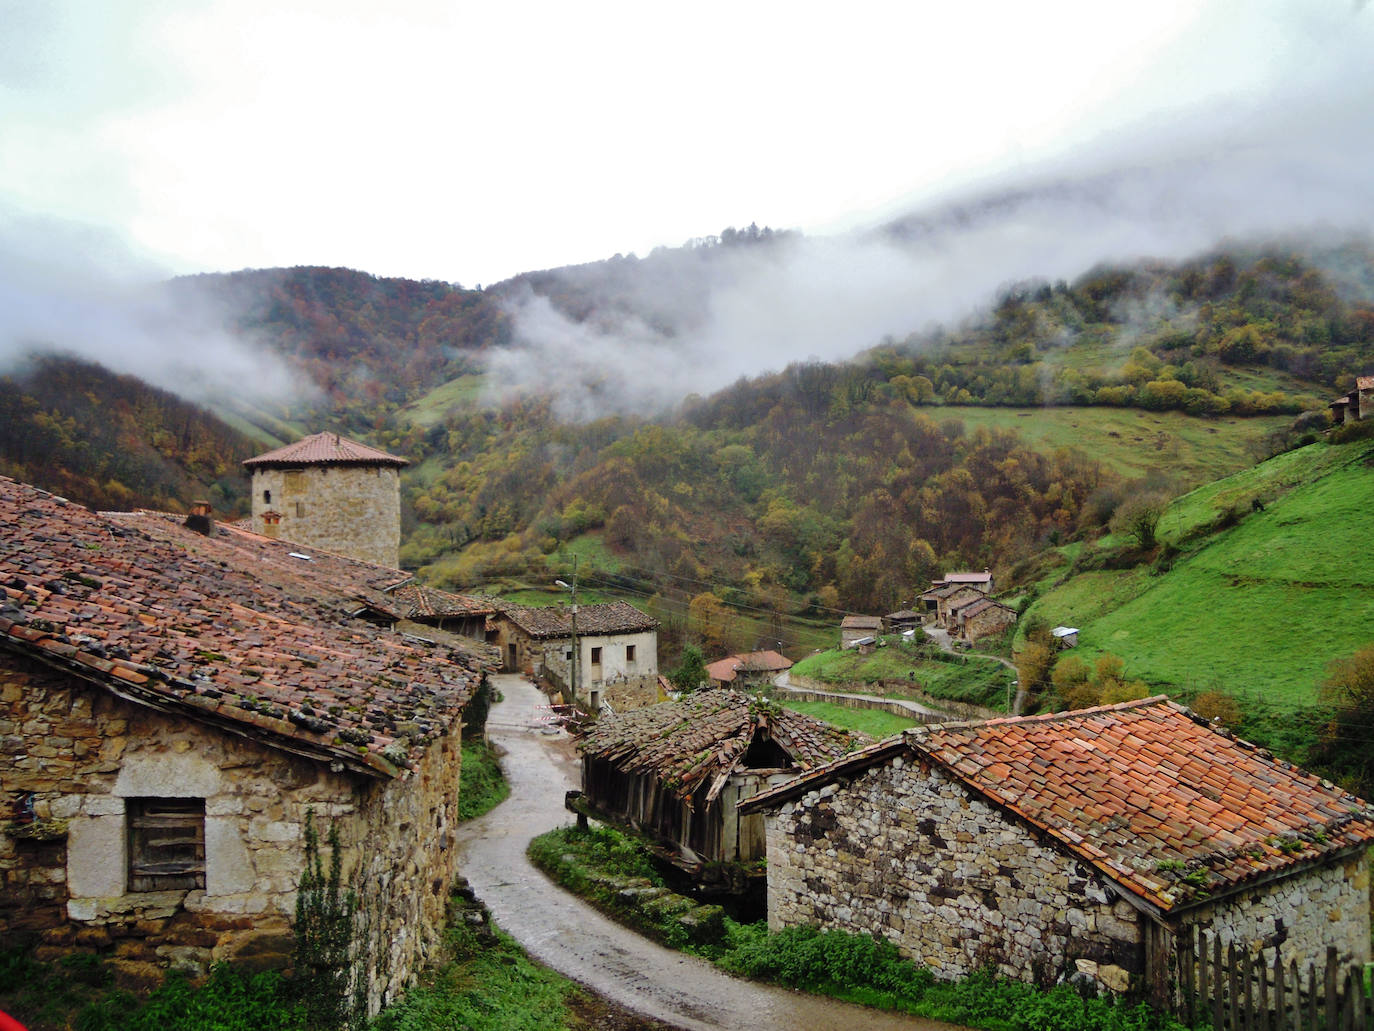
x: 1258, y: 600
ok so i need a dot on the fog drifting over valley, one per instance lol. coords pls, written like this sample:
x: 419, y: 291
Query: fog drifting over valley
x: 1292, y: 164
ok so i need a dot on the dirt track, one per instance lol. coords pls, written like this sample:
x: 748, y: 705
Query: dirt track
x: 566, y: 934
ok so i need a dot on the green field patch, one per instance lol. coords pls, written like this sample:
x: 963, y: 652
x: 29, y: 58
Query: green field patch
x: 876, y: 723
x: 431, y: 409
x: 1130, y: 441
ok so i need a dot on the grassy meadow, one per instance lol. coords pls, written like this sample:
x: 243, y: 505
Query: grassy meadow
x: 1257, y: 608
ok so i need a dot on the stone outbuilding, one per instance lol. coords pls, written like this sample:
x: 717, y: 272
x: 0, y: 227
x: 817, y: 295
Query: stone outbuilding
x: 676, y: 770
x: 617, y: 650
x: 981, y: 618
x: 747, y: 669
x: 854, y: 629
x: 1356, y: 405
x: 172, y: 705
x: 1078, y: 843
x: 326, y: 491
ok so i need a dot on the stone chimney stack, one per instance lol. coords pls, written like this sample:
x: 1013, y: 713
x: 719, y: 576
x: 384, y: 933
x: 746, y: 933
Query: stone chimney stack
x: 201, y: 519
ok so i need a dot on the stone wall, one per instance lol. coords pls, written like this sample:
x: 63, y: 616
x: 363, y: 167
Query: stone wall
x: 353, y: 511
x: 904, y: 852
x: 82, y: 753
x: 1299, y: 916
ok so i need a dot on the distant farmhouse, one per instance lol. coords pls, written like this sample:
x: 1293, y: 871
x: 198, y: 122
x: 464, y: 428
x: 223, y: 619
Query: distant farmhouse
x: 748, y: 669
x: 617, y: 648
x: 674, y: 771
x: 179, y: 698
x: 856, y: 631
x: 960, y: 603
x: 1081, y: 843
x: 1356, y: 405
x: 326, y: 491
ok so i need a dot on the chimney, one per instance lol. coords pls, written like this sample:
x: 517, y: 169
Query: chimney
x: 271, y: 523
x: 201, y: 519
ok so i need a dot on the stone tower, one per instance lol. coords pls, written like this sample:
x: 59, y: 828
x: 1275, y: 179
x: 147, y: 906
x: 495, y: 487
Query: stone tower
x: 326, y: 491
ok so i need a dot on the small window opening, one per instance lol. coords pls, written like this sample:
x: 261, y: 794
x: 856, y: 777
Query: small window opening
x: 596, y: 656
x: 300, y: 509
x: 629, y: 653
x: 267, y: 497
x: 166, y: 843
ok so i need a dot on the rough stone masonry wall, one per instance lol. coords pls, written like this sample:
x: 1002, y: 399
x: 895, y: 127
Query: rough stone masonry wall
x: 347, y: 510
x: 83, y: 752
x: 904, y: 852
x: 1299, y: 915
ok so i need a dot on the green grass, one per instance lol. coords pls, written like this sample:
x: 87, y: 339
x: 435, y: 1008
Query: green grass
x: 78, y: 991
x: 481, y: 785
x: 876, y: 723
x: 1130, y: 441
x: 1257, y: 609
x: 975, y: 682
x: 483, y: 982
x: 430, y: 409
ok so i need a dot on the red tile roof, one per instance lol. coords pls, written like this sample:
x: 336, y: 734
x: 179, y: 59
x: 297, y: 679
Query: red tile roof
x: 724, y: 670
x: 1154, y: 797
x: 420, y: 602
x: 861, y: 623
x: 228, y: 630
x: 555, y: 621
x: 703, y: 738
x: 968, y: 578
x: 324, y: 449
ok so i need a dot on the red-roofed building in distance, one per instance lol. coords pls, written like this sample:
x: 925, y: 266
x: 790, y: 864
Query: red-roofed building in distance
x: 326, y: 491
x: 1084, y: 843
x: 749, y: 669
x: 179, y: 698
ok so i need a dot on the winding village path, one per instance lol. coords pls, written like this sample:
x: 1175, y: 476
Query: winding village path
x: 564, y: 933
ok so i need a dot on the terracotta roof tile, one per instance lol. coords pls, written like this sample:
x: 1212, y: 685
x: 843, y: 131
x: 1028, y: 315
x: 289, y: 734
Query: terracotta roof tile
x: 1146, y: 791
x: 724, y: 670
x: 324, y: 449
x: 703, y: 738
x: 229, y: 628
x: 555, y: 621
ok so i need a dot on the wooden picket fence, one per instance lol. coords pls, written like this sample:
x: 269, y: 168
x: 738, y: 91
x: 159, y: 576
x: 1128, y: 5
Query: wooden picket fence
x: 1237, y: 991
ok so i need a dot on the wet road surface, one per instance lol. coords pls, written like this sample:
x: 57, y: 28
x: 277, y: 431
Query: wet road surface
x: 571, y: 937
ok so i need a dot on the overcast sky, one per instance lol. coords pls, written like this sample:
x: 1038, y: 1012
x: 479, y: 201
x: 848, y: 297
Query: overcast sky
x: 468, y: 142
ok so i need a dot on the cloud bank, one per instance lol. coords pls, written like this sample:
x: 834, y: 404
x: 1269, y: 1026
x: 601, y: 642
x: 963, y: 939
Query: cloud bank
x: 70, y: 288
x: 1292, y: 159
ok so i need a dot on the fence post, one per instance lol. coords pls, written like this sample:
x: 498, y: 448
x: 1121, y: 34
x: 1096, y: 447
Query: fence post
x: 1204, y: 998
x: 1217, y: 984
x: 1313, y: 996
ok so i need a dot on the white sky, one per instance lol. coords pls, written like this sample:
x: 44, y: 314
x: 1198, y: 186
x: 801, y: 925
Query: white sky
x: 468, y: 142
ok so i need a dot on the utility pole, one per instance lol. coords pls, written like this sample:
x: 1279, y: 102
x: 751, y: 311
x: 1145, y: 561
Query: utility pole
x: 576, y: 656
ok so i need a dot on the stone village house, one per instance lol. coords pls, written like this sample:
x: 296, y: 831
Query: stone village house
x: 1356, y: 405
x: 675, y: 771
x: 1082, y: 842
x: 747, y: 669
x: 856, y: 629
x: 173, y: 703
x: 617, y: 650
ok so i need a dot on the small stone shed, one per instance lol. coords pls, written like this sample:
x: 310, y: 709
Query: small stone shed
x: 854, y: 629
x: 171, y: 706
x: 1076, y: 843
x: 617, y: 649
x: 676, y: 770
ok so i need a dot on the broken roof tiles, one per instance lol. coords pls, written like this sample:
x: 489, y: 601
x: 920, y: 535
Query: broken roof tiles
x: 555, y: 621
x: 1157, y: 799
x: 704, y: 737
x: 227, y: 629
x: 323, y: 449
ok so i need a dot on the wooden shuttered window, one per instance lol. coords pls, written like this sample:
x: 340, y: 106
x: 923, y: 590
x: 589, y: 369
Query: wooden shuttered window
x: 166, y: 843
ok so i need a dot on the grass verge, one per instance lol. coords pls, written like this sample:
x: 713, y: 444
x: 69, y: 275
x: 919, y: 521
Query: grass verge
x: 481, y: 786
x: 876, y: 723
